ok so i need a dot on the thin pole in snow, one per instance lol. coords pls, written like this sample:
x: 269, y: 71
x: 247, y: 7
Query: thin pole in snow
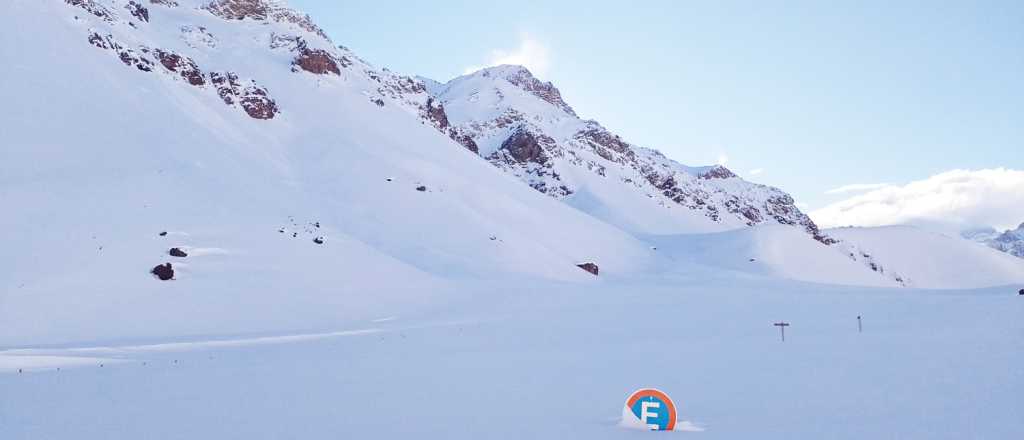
x: 860, y: 328
x: 782, y: 327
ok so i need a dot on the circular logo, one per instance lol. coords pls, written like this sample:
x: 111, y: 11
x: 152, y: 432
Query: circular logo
x: 652, y: 409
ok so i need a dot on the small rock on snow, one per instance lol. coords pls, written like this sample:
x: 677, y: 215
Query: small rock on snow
x: 164, y: 271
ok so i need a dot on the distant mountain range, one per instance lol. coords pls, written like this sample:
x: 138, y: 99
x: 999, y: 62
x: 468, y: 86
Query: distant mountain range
x: 1010, y: 241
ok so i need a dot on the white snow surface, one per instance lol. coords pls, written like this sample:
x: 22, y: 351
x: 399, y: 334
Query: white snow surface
x: 932, y: 260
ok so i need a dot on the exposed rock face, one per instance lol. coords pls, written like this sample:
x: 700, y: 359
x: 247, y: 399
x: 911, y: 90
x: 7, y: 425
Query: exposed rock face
x: 1020, y: 292
x: 227, y: 86
x: 138, y: 11
x: 239, y: 9
x: 717, y: 172
x: 181, y: 65
x: 254, y: 99
x: 176, y: 252
x: 128, y: 56
x: 257, y: 103
x: 164, y: 272
x: 168, y: 3
x: 435, y: 113
x: 589, y: 267
x: 262, y: 10
x: 524, y: 146
x: 465, y: 140
x: 95, y: 8
x: 317, y: 61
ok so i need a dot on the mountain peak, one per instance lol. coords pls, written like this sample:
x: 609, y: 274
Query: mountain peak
x: 522, y: 78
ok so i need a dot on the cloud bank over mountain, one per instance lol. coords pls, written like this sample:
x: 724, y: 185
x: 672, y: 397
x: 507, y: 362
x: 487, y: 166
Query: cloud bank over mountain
x: 952, y: 199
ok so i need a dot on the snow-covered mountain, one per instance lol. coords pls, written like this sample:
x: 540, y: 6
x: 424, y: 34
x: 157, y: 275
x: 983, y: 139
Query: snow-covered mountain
x: 1010, y: 241
x: 296, y: 176
x: 524, y: 127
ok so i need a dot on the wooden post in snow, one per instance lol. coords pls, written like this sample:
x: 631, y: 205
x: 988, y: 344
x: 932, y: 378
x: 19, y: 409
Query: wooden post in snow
x: 860, y: 328
x: 782, y: 327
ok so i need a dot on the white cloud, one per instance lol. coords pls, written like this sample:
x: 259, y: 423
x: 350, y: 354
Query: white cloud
x: 856, y: 187
x: 531, y: 54
x: 756, y: 171
x: 953, y: 199
x: 723, y: 159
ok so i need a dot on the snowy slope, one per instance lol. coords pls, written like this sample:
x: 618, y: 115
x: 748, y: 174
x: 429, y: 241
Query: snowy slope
x: 927, y: 259
x: 523, y: 126
x: 768, y: 251
x: 102, y: 156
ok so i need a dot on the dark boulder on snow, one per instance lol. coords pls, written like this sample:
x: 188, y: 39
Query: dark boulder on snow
x: 176, y: 252
x: 421, y: 188
x: 163, y: 233
x: 164, y: 272
x: 1021, y: 292
x: 318, y: 240
x: 589, y: 267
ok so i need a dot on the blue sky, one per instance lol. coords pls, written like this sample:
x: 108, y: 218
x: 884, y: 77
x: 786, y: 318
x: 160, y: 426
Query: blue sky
x: 807, y: 96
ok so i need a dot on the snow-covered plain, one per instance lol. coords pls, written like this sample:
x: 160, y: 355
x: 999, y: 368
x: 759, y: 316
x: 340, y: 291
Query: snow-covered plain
x: 453, y: 312
x: 549, y: 361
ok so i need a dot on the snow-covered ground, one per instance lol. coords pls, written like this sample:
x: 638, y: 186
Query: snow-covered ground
x: 557, y: 361
x: 929, y: 259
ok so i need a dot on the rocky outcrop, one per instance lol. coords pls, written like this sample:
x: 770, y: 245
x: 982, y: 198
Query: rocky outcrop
x: 263, y: 10
x: 177, y: 252
x: 95, y: 8
x: 589, y: 267
x: 182, y: 66
x: 258, y: 10
x: 716, y: 172
x: 464, y: 139
x: 253, y: 99
x: 138, y: 11
x: 128, y: 56
x: 524, y: 146
x: 257, y: 103
x: 435, y: 113
x: 316, y: 61
x: 163, y: 272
